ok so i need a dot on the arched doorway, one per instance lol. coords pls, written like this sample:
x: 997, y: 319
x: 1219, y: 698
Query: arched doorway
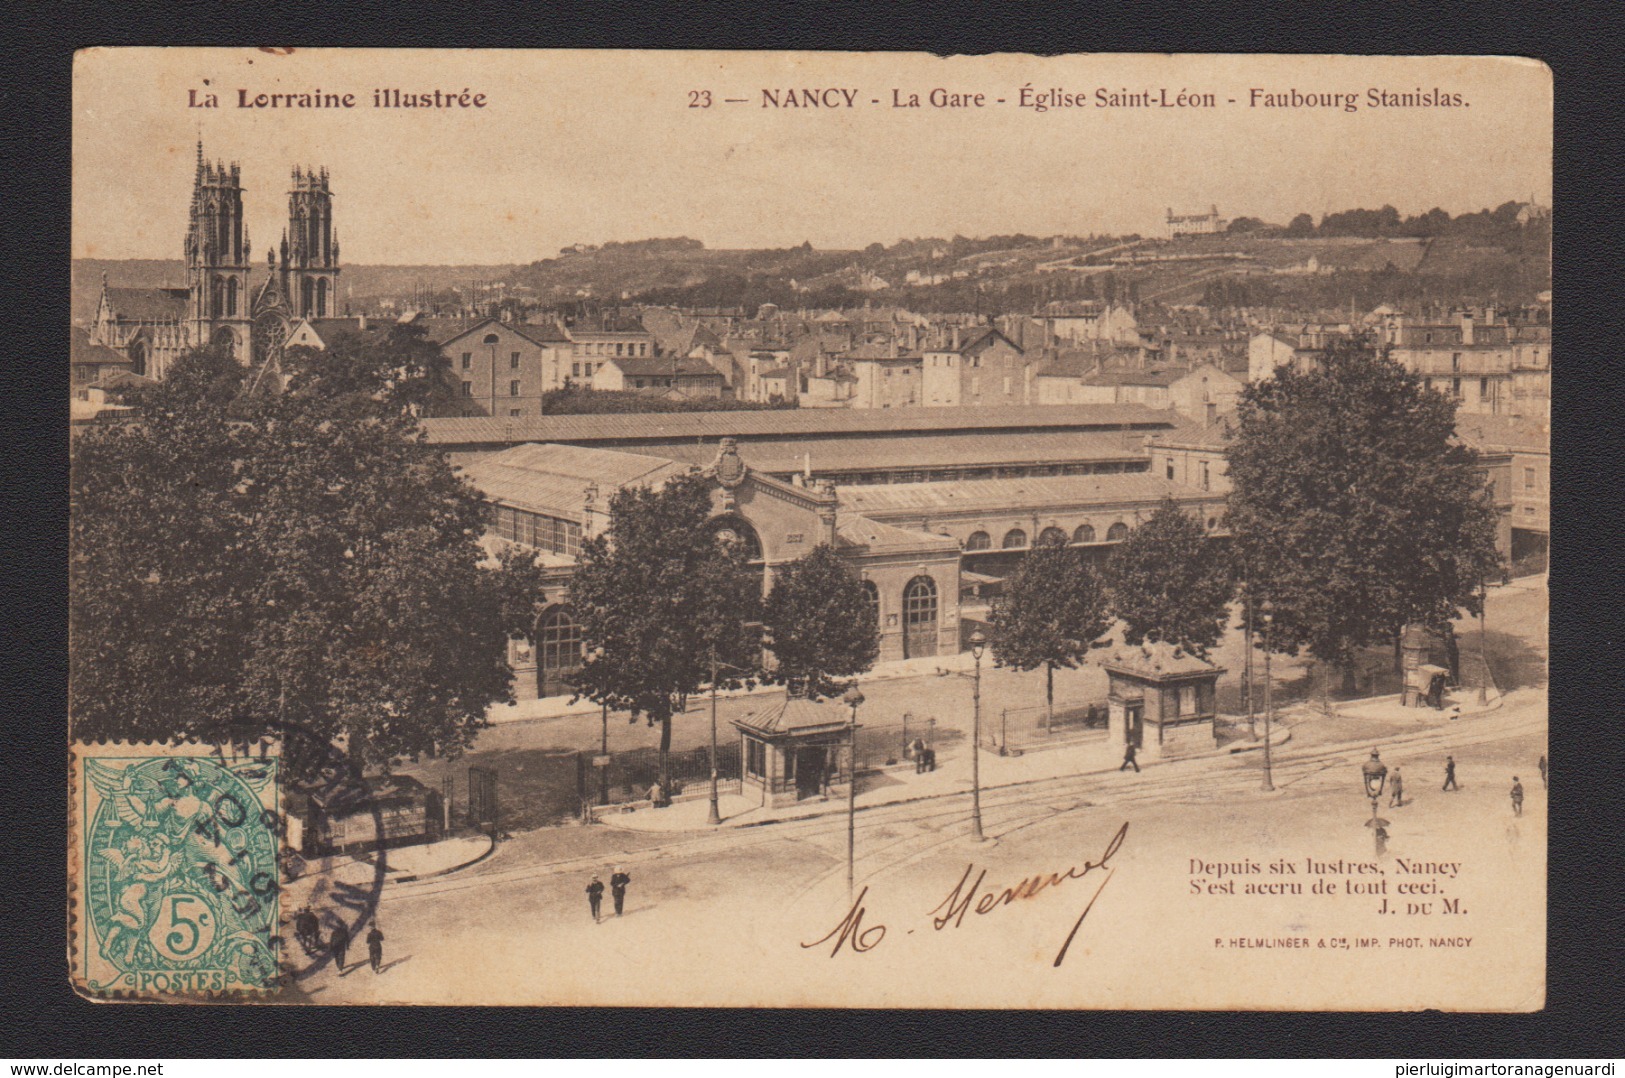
x: 732, y: 531
x: 920, y: 618
x: 558, y: 651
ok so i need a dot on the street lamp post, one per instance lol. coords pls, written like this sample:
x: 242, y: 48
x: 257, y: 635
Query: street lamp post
x: 714, y: 817
x: 852, y: 699
x: 603, y: 741
x: 1269, y: 707
x: 1373, y: 774
x: 978, y: 643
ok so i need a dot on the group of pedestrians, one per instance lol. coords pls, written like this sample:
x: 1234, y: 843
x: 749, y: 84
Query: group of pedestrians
x: 307, y: 929
x: 617, y: 889
x: 1396, y: 783
x: 925, y: 757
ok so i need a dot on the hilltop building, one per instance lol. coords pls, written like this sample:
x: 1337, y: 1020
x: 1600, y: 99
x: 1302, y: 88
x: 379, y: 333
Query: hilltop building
x: 1195, y: 224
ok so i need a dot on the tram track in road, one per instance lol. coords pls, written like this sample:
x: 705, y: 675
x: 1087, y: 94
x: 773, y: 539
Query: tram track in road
x: 1204, y: 780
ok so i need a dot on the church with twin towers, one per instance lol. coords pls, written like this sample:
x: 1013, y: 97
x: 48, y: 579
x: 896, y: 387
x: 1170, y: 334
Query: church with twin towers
x: 221, y: 303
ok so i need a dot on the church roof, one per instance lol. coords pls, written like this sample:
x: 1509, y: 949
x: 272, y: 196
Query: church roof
x: 81, y: 349
x: 148, y: 304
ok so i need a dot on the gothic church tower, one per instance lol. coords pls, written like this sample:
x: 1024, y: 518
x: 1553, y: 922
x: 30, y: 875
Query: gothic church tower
x: 310, y: 248
x: 217, y: 254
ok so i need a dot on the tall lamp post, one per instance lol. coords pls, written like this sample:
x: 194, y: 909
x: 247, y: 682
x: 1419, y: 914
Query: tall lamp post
x: 1269, y: 705
x: 603, y: 740
x: 978, y: 643
x: 852, y: 699
x: 714, y: 817
x: 1374, y: 773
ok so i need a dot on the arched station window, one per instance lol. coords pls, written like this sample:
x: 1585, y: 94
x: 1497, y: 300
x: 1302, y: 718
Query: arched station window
x: 1117, y: 532
x: 1015, y: 539
x: 872, y: 594
x: 1084, y: 534
x: 920, y: 618
x: 1052, y: 537
x: 979, y: 541
x: 559, y: 643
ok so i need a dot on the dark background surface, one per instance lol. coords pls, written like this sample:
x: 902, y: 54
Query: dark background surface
x: 1581, y: 41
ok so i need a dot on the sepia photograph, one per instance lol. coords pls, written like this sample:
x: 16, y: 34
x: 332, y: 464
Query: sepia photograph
x: 809, y: 530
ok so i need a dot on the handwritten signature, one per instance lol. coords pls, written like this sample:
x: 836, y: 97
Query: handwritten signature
x: 969, y: 895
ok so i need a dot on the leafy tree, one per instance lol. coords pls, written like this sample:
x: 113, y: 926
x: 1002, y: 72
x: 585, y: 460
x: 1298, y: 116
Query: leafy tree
x: 662, y: 596
x: 1301, y: 225
x: 820, y: 623
x: 1353, y: 507
x: 304, y: 558
x: 1168, y: 581
x: 1050, y: 613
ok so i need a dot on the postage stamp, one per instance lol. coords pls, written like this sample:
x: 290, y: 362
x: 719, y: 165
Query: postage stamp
x: 175, y: 871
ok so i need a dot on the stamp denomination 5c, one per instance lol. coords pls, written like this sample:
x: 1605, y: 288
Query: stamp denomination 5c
x: 174, y: 871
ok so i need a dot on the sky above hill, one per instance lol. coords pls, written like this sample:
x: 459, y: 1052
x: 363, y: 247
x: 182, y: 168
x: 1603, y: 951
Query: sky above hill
x: 581, y: 147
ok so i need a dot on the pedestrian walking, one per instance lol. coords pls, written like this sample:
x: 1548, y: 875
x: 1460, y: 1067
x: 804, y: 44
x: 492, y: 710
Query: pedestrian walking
x: 375, y: 947
x: 1542, y: 766
x: 930, y: 759
x: 1397, y: 798
x: 657, y: 795
x: 595, y: 897
x: 1450, y: 773
x: 339, y: 944
x: 1517, y: 796
x: 617, y: 888
x: 918, y: 749
x: 1128, y: 758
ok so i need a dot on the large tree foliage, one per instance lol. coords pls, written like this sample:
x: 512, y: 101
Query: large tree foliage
x: 663, y: 596
x: 1050, y: 612
x: 1168, y: 581
x: 1354, y: 510
x: 298, y: 558
x: 820, y: 623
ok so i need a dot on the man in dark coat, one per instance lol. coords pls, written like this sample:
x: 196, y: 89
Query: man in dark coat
x: 339, y: 944
x: 1128, y: 758
x: 1542, y: 766
x: 1517, y: 796
x: 1397, y: 785
x: 595, y: 896
x: 375, y: 947
x: 1450, y: 773
x: 617, y: 888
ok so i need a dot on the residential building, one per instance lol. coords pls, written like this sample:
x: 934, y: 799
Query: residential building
x: 975, y: 366
x: 675, y: 376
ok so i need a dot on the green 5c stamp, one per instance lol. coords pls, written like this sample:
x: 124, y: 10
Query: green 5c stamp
x: 177, y: 872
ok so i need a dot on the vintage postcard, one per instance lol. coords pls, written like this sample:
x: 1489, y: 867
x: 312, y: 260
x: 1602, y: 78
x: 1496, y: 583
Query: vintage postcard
x: 795, y: 529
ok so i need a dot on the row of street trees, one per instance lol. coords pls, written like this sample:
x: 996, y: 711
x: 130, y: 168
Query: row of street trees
x: 244, y: 563
x: 241, y: 563
x: 1354, y: 513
